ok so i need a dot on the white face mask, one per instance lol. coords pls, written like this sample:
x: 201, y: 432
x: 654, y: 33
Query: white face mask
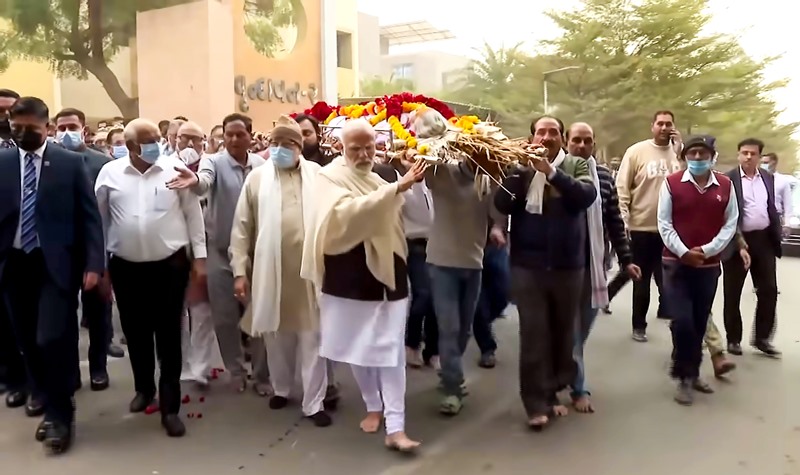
x: 189, y: 156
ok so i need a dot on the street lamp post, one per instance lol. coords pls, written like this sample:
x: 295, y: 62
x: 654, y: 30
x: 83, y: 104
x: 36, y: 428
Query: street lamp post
x: 544, y: 83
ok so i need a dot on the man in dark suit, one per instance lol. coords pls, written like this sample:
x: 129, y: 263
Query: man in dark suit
x: 96, y: 307
x: 760, y: 226
x: 51, y: 246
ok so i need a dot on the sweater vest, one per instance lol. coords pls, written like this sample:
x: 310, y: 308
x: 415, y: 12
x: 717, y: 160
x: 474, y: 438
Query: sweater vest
x: 698, y: 217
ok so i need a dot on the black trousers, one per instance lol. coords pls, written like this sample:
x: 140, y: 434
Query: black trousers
x: 647, y: 249
x: 150, y: 298
x: 97, y: 311
x: 12, y: 367
x: 421, y: 312
x: 689, y: 293
x: 763, y: 272
x: 45, y: 321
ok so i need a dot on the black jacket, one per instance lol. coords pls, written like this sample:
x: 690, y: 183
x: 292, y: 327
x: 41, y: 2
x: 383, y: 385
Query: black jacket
x: 555, y: 239
x: 613, y: 225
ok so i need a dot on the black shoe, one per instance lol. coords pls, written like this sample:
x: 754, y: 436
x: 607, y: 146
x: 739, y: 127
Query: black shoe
x: 16, y: 398
x: 278, y: 402
x: 140, y: 402
x: 41, y: 430
x: 767, y: 348
x: 58, y: 438
x: 321, y: 419
x: 331, y: 401
x: 115, y: 352
x: 100, y: 382
x: 488, y: 360
x: 34, y: 408
x: 735, y: 349
x: 173, y: 425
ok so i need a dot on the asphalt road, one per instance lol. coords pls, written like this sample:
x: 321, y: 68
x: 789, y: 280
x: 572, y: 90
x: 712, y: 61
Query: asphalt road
x: 751, y: 426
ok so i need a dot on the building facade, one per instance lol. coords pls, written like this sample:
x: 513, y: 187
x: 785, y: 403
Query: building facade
x: 207, y: 58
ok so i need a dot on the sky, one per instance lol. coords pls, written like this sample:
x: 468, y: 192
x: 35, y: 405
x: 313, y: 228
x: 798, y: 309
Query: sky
x: 764, y: 28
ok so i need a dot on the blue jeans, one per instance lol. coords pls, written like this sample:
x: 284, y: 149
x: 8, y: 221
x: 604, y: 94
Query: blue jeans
x: 495, y: 282
x: 582, y: 330
x: 421, y: 314
x: 455, y: 296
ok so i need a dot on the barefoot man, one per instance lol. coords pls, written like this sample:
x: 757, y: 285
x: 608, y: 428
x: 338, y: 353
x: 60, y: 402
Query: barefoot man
x: 355, y: 253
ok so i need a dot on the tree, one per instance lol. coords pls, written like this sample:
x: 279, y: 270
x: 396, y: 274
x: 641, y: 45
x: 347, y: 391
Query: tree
x: 633, y: 58
x: 264, y: 20
x: 77, y: 37
x: 638, y: 57
x: 377, y: 86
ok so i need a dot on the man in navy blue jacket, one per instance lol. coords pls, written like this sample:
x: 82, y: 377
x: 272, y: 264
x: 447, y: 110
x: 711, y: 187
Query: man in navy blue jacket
x: 548, y: 252
x: 51, y: 246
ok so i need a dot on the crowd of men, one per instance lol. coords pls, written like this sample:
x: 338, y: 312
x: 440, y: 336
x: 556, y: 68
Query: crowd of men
x: 379, y: 265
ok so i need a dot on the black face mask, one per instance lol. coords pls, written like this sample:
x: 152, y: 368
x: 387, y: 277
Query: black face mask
x: 5, y: 128
x: 28, y: 139
x: 310, y: 150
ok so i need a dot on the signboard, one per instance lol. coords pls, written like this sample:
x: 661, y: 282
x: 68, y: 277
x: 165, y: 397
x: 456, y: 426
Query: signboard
x: 269, y: 90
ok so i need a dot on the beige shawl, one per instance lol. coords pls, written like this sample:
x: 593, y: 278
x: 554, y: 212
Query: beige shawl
x: 350, y: 208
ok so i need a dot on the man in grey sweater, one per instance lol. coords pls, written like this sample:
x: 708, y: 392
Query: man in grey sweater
x: 455, y: 260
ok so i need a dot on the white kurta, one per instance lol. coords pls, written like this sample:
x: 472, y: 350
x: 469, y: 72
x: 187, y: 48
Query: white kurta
x: 363, y: 333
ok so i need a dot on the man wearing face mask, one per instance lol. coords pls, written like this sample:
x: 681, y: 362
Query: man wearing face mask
x: 189, y: 145
x: 70, y: 129
x: 7, y: 99
x: 12, y: 368
x: 51, y: 246
x: 271, y: 219
x: 697, y: 219
x: 220, y: 178
x: 151, y: 231
x: 116, y: 143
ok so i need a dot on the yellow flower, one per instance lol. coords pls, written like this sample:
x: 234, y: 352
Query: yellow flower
x: 332, y: 116
x: 375, y: 120
x: 423, y: 149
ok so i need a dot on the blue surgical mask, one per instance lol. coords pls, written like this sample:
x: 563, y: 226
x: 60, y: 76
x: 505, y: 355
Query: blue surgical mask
x: 698, y: 167
x: 282, y: 157
x: 70, y: 139
x: 119, y: 151
x: 150, y: 152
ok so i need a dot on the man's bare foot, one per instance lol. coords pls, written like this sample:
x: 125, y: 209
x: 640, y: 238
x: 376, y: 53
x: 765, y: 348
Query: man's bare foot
x: 583, y: 405
x: 372, y: 423
x: 560, y: 410
x: 399, y: 441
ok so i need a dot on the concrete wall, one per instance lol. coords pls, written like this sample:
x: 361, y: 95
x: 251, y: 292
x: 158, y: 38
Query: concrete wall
x: 89, y: 96
x: 195, y: 81
x: 369, y: 46
x: 30, y: 78
x: 428, y: 69
x: 347, y: 21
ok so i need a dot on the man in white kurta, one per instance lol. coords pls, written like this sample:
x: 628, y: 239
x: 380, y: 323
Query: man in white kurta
x: 355, y: 253
x: 267, y: 236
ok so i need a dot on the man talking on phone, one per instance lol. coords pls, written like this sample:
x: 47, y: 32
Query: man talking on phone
x: 644, y: 167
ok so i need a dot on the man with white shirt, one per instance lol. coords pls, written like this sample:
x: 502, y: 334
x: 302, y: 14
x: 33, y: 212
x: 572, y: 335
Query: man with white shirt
x: 150, y: 231
x: 783, y: 189
x: 51, y: 245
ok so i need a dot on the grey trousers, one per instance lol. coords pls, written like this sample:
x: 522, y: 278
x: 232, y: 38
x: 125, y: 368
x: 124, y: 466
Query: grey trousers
x: 227, y: 312
x: 548, y: 302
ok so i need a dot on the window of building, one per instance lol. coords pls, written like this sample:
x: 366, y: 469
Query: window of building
x: 403, y: 71
x: 344, y: 49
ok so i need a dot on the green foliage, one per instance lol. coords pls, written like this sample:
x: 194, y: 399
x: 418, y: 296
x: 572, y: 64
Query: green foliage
x: 377, y: 86
x: 633, y: 58
x: 264, y: 20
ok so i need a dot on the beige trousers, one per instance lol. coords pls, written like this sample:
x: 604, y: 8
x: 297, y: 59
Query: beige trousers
x: 713, y: 338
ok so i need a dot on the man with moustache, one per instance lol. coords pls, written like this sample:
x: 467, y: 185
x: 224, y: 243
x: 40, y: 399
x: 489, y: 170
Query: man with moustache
x: 548, y: 204
x: 603, y: 220
x: 311, y: 135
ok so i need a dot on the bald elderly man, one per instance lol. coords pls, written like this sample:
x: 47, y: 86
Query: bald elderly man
x: 151, y: 233
x: 170, y: 145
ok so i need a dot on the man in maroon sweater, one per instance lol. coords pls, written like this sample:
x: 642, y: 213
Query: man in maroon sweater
x: 697, y: 218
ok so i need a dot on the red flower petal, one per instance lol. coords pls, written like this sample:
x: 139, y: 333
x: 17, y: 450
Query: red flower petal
x: 199, y: 415
x: 186, y: 399
x: 151, y: 409
x: 202, y: 399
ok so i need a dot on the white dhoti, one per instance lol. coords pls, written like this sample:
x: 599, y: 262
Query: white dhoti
x: 370, y: 336
x: 287, y: 352
x: 199, y: 344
